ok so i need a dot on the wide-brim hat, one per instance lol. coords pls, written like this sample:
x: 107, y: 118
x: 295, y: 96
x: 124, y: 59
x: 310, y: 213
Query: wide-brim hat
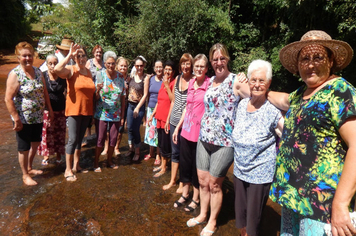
x: 342, y: 51
x: 65, y: 44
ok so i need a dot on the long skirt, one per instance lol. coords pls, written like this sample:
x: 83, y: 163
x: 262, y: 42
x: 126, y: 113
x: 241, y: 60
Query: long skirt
x: 151, y: 136
x: 53, y: 135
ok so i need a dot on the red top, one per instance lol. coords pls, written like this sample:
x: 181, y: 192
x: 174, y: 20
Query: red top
x: 163, y: 102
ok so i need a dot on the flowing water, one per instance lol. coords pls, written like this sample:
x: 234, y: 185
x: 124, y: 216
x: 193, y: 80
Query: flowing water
x: 127, y: 201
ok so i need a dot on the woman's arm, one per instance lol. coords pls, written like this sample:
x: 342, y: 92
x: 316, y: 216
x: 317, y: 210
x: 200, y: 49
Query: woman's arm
x: 340, y: 219
x: 143, y: 99
x: 122, y: 110
x: 241, y: 88
x: 61, y: 69
x: 166, y: 127
x: 152, y: 115
x: 47, y: 100
x: 279, y: 100
x: 166, y: 83
x: 12, y: 87
x: 87, y: 65
x: 179, y: 126
x: 279, y: 128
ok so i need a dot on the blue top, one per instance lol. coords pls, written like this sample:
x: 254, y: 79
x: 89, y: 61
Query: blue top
x: 153, y: 89
x: 254, y: 141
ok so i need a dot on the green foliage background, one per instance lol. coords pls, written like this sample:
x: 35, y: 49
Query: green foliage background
x: 165, y: 29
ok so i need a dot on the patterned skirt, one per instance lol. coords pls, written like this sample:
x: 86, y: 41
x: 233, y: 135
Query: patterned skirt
x: 151, y: 136
x: 53, y: 135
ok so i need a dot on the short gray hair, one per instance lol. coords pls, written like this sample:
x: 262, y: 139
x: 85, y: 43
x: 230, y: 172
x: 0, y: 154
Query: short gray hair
x: 109, y: 54
x: 50, y: 56
x: 260, y: 64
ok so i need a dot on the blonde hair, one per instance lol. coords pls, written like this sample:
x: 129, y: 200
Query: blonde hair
x: 222, y: 48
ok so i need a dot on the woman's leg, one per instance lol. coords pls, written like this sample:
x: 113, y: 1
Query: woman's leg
x: 100, y: 129
x: 31, y: 156
x: 136, y: 132
x: 113, y: 131
x: 130, y: 126
x: 83, y: 122
x: 203, y: 177
x: 174, y: 159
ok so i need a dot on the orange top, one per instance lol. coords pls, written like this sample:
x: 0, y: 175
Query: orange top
x: 80, y: 92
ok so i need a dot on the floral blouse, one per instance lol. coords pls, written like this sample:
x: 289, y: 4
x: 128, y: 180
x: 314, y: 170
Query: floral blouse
x: 108, y: 107
x: 254, y: 139
x: 312, y: 154
x: 29, y: 100
x: 218, y: 120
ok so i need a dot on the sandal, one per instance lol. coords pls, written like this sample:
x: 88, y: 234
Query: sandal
x: 97, y: 170
x: 70, y: 178
x: 147, y: 157
x: 156, y: 169
x: 206, y: 232
x: 128, y: 154
x: 178, y: 203
x: 189, y: 208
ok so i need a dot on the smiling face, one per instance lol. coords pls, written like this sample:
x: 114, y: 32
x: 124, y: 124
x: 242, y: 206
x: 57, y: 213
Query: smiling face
x: 81, y: 58
x: 219, y: 63
x: 110, y: 65
x: 139, y: 67
x: 51, y: 63
x: 98, y: 54
x: 200, y: 68
x: 186, y: 67
x: 25, y: 57
x: 258, y: 83
x: 122, y: 67
x: 158, y: 68
x: 314, y: 65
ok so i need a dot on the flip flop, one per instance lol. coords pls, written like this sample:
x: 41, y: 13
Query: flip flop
x: 156, y: 169
x: 114, y: 167
x: 59, y: 162
x: 194, y: 222
x: 70, y: 178
x: 147, y: 157
x: 158, y: 174
x: 44, y: 162
x: 97, y: 170
x: 157, y: 162
x: 206, y: 232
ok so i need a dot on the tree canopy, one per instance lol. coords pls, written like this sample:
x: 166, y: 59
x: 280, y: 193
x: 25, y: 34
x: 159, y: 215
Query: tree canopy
x: 165, y: 29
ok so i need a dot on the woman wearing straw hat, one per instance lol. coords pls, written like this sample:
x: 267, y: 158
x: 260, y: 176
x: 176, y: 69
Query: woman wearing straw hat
x: 315, y: 177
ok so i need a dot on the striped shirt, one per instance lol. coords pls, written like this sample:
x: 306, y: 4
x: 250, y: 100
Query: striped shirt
x: 180, y: 100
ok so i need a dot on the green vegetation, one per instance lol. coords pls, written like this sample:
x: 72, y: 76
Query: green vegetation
x: 165, y: 29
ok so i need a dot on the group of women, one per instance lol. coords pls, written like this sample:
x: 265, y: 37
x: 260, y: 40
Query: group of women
x: 205, y: 124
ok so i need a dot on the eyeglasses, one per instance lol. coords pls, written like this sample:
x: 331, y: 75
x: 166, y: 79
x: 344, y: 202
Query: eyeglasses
x: 139, y: 66
x: 81, y: 56
x: 222, y: 59
x: 260, y: 81
x: 186, y: 64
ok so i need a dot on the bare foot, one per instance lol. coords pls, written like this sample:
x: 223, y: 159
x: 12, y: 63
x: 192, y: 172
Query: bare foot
x: 35, y: 172
x: 104, y: 152
x: 179, y: 189
x: 117, y: 152
x: 168, y: 186
x: 28, y: 180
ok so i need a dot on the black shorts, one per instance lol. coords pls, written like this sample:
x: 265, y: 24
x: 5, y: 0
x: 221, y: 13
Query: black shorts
x: 29, y: 133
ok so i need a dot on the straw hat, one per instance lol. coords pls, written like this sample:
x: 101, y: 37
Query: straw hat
x: 342, y: 51
x: 65, y: 44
